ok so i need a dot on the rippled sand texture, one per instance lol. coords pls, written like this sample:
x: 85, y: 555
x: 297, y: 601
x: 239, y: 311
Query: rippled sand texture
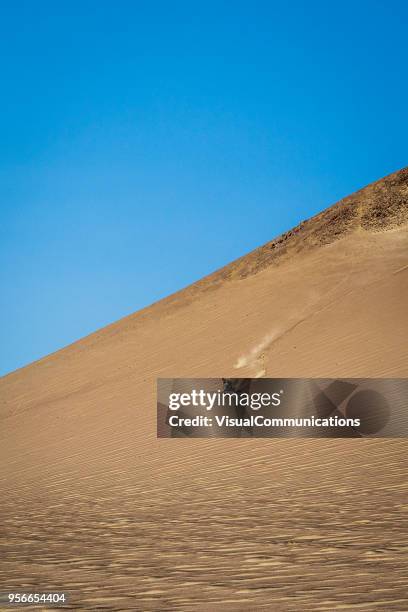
x: 95, y: 505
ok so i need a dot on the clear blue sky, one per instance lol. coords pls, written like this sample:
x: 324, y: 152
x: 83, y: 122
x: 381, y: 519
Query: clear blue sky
x: 144, y: 144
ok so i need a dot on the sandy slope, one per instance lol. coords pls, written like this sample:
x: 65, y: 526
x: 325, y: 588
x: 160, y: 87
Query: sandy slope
x: 96, y: 505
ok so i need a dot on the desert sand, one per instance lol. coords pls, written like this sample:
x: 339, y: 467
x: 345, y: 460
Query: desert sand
x: 93, y: 504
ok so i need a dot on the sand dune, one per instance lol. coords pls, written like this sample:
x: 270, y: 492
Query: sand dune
x: 95, y: 505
